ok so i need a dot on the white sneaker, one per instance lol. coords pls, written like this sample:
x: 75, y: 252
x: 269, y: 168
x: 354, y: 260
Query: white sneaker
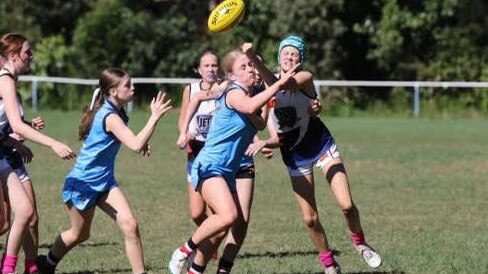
x: 178, y: 261
x: 370, y: 256
x: 333, y: 269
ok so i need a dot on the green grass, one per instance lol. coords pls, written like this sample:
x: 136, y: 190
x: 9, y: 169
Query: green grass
x: 420, y: 185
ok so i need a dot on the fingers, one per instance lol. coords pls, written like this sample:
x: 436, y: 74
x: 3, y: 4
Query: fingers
x: 246, y: 47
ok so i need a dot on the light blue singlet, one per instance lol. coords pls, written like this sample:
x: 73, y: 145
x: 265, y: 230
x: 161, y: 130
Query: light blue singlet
x: 229, y: 135
x: 93, y: 172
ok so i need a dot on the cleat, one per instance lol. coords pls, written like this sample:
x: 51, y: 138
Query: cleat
x: 370, y: 256
x: 43, y: 266
x: 333, y: 269
x: 178, y: 261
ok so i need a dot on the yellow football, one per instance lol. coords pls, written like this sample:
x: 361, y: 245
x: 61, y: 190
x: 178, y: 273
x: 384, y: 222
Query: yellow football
x: 226, y: 15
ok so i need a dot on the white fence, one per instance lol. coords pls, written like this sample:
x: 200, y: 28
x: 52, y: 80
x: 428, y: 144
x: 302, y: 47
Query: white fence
x: 416, y: 86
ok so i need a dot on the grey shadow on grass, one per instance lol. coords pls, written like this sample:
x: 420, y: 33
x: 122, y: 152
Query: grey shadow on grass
x: 47, y: 246
x: 282, y: 254
x: 345, y: 272
x: 112, y: 270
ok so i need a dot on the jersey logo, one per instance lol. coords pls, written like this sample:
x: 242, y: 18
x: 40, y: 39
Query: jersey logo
x: 203, y: 124
x: 287, y: 116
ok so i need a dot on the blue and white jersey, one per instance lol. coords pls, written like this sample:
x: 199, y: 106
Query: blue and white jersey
x: 200, y: 122
x: 229, y: 135
x: 303, y: 137
x: 94, y: 166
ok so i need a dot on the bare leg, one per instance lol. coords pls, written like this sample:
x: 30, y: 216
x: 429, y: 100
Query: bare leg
x: 31, y: 235
x: 303, y: 186
x: 336, y: 175
x: 243, y: 200
x: 116, y: 205
x: 196, y: 205
x: 22, y: 210
x: 78, y: 232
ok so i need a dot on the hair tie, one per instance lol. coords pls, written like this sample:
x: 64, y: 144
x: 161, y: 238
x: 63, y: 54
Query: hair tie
x: 94, y: 97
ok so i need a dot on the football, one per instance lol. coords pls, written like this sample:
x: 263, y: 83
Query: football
x: 225, y: 15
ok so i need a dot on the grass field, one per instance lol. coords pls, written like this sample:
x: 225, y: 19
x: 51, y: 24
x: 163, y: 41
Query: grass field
x: 420, y: 185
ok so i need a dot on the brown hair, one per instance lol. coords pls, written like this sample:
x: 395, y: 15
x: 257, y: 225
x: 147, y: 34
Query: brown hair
x: 109, y: 78
x: 229, y: 60
x: 11, y: 42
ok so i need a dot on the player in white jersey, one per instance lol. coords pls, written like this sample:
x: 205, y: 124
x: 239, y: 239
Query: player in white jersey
x: 304, y: 141
x: 17, y: 55
x: 207, y: 68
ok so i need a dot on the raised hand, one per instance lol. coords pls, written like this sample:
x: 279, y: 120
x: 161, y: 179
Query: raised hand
x: 287, y: 75
x: 246, y: 48
x: 158, y: 106
x: 37, y: 123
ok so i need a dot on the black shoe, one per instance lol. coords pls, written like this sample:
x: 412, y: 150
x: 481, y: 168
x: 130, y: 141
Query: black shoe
x: 43, y: 266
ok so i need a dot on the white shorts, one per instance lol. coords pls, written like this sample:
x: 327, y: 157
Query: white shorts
x: 329, y: 155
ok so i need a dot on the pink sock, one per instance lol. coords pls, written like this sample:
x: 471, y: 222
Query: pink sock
x: 357, y: 238
x: 30, y: 266
x: 9, y: 263
x: 327, y: 258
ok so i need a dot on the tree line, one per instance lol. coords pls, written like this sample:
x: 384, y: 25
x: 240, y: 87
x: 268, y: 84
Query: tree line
x: 424, y: 40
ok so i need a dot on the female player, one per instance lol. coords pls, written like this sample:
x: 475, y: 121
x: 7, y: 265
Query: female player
x: 17, y: 55
x: 214, y: 170
x: 244, y: 193
x: 304, y: 141
x: 91, y: 181
x: 208, y: 66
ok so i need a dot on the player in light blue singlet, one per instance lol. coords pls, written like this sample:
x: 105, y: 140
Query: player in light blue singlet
x: 91, y: 182
x: 93, y: 172
x: 213, y: 173
x: 304, y: 141
x: 244, y: 180
x: 17, y: 55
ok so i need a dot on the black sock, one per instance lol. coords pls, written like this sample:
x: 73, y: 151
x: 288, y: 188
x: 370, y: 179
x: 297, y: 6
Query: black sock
x: 224, y: 264
x: 191, y: 244
x: 53, y: 260
x: 199, y: 268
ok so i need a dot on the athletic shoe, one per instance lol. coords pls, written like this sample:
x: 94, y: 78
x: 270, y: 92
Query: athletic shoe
x: 43, y: 266
x: 333, y: 269
x: 178, y: 261
x: 190, y: 260
x: 370, y: 256
x: 27, y: 272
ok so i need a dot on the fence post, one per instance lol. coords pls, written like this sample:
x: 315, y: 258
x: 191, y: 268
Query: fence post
x: 317, y: 90
x: 416, y: 100
x: 34, y: 95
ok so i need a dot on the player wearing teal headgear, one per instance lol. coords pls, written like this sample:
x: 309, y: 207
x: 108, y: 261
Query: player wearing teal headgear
x: 294, y: 41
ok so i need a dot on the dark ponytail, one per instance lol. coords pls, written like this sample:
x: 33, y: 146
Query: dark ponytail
x: 110, y: 78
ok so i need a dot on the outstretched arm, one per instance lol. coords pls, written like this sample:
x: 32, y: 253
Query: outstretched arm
x: 137, y: 143
x: 8, y: 94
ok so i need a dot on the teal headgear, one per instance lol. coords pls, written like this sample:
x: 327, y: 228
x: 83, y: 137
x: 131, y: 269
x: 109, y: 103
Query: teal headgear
x: 294, y: 41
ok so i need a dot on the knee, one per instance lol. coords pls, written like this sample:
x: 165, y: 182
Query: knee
x: 130, y: 227
x: 25, y: 215
x: 198, y: 216
x: 228, y: 219
x: 34, y: 220
x: 311, y: 219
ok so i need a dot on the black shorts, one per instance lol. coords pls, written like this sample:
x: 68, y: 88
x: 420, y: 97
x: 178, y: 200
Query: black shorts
x: 246, y: 172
